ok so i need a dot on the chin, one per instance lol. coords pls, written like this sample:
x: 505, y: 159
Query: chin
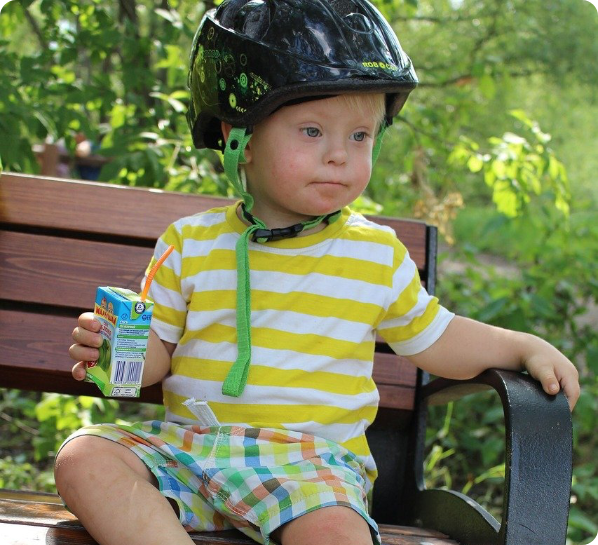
x: 322, y: 212
x: 321, y: 209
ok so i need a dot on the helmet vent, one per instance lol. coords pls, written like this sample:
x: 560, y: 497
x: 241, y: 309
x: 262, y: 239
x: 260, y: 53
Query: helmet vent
x: 253, y: 19
x: 344, y: 7
x: 227, y: 12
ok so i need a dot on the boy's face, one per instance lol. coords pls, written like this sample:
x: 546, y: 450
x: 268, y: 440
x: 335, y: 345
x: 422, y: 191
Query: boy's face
x: 309, y: 159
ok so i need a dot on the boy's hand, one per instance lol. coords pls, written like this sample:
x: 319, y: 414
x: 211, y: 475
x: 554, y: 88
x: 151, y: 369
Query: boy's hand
x: 554, y: 370
x: 87, y: 343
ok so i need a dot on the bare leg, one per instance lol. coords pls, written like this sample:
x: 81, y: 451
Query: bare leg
x: 326, y: 526
x: 114, y: 495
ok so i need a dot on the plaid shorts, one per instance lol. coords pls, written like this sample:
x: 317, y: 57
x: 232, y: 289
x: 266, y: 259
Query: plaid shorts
x: 251, y: 479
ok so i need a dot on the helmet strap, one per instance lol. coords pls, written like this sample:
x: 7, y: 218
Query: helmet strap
x: 269, y: 235
x: 236, y: 379
x: 378, y: 143
x: 233, y: 152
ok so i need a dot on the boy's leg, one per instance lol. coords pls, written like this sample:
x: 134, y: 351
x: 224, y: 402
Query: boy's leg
x: 332, y: 525
x: 114, y: 494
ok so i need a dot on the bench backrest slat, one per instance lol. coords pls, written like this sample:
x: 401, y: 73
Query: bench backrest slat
x: 114, y: 212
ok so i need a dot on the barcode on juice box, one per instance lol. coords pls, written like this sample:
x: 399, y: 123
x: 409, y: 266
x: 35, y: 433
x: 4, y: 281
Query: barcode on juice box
x: 127, y: 372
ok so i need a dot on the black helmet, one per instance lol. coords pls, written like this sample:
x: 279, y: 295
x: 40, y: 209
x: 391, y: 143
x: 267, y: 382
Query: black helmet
x: 249, y: 57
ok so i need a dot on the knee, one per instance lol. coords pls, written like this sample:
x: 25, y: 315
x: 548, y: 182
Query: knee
x: 340, y: 521
x: 333, y: 525
x: 75, y: 460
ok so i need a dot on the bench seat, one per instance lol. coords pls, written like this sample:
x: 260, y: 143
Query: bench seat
x: 38, y: 517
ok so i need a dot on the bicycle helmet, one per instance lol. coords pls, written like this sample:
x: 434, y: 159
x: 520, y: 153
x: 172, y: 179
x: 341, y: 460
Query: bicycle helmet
x: 249, y: 57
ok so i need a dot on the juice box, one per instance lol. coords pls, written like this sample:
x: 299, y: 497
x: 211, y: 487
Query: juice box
x: 125, y: 325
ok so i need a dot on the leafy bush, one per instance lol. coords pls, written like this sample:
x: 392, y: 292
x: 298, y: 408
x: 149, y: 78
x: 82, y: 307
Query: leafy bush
x: 34, y: 425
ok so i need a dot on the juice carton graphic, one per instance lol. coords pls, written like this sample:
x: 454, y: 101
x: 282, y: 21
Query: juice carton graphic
x: 125, y: 325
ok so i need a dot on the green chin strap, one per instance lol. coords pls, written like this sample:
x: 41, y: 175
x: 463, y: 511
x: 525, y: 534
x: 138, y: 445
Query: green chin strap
x: 236, y: 379
x: 378, y: 142
x: 234, y: 150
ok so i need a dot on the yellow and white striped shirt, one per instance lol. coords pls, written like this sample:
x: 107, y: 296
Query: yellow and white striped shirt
x: 317, y: 302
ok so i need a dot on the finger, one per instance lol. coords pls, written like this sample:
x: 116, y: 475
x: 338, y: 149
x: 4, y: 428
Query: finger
x: 572, y: 390
x: 79, y: 370
x: 80, y: 352
x: 567, y: 381
x: 547, y: 378
x: 87, y: 330
x: 86, y: 337
x: 88, y: 321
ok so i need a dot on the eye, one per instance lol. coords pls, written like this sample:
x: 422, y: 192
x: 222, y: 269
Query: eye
x: 312, y: 132
x: 359, y: 136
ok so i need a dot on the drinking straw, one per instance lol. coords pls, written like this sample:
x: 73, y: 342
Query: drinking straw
x: 153, y: 271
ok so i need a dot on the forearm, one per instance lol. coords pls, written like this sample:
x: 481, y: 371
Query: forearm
x: 468, y: 348
x: 157, y: 360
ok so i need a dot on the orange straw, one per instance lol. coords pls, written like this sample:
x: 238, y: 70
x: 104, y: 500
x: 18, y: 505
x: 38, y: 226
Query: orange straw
x: 154, y: 270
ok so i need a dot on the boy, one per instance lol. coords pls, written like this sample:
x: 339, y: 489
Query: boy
x: 268, y: 310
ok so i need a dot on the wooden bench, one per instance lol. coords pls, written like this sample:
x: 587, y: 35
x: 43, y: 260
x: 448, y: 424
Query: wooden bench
x: 60, y: 239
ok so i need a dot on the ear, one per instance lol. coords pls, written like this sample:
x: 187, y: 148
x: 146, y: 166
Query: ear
x: 226, y: 128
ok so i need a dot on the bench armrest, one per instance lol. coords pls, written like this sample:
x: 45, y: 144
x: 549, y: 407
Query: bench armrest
x: 538, y: 467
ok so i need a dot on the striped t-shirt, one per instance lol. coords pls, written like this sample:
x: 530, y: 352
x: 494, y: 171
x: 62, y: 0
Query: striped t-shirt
x: 317, y: 302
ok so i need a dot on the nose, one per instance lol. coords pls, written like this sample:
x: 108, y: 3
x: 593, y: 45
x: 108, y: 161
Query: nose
x: 336, y: 152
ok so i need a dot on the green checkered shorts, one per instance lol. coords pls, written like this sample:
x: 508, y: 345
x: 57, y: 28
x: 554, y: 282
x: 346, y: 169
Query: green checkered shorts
x: 252, y: 479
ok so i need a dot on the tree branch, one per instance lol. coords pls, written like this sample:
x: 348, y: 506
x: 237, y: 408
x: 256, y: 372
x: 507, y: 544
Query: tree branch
x: 465, y: 79
x: 417, y: 131
x: 35, y: 27
x: 429, y: 19
x: 128, y: 11
x: 18, y: 423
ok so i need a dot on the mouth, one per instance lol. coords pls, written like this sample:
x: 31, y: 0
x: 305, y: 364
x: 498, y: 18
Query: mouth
x: 329, y: 183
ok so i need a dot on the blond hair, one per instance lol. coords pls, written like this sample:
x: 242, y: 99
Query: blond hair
x: 369, y: 103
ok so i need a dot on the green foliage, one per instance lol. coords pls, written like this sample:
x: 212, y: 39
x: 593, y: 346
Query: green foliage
x: 18, y: 474
x: 33, y: 426
x: 117, y: 77
x: 516, y: 168
x: 467, y: 458
x: 19, y: 465
x: 60, y: 415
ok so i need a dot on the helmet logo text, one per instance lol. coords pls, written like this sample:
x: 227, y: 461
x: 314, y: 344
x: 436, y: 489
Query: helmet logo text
x: 379, y: 64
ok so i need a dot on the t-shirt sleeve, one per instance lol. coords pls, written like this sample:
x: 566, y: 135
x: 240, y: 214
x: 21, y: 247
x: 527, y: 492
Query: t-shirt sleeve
x: 414, y: 319
x: 170, y: 306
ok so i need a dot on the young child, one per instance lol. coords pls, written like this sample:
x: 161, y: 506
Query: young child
x: 269, y: 309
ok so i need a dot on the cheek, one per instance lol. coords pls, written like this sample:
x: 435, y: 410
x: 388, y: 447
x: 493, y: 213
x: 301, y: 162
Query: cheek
x: 290, y: 168
x: 363, y: 172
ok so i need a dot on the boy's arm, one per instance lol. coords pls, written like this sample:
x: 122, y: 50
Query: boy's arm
x: 159, y: 354
x: 467, y: 348
x: 88, y: 340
